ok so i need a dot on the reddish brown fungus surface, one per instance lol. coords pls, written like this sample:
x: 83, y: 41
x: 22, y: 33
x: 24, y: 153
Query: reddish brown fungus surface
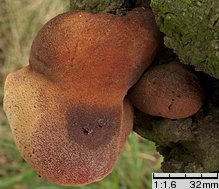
x: 67, y: 108
x: 170, y: 90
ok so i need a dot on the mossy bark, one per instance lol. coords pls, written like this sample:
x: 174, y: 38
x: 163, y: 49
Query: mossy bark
x: 192, y: 30
x: 190, y: 144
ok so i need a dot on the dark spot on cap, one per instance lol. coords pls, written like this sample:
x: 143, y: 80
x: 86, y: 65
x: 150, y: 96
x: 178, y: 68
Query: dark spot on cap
x: 92, y: 126
x: 170, y: 106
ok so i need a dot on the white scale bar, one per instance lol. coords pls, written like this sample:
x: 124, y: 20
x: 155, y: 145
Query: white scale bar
x: 185, y: 181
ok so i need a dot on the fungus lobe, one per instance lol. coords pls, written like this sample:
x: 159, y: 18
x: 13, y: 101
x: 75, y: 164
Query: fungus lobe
x: 169, y: 90
x: 81, y: 67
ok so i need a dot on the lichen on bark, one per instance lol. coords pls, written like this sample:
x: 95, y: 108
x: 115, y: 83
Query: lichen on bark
x: 192, y: 30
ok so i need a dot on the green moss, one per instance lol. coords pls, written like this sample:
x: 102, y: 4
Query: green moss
x: 192, y: 30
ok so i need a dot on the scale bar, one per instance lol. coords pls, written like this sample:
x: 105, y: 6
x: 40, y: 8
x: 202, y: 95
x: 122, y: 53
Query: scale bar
x: 186, y: 177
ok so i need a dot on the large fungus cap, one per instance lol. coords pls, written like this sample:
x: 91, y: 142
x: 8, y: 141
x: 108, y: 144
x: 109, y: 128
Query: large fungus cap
x: 170, y: 90
x: 67, y: 109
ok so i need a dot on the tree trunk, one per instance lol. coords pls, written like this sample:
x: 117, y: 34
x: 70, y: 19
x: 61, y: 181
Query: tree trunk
x: 190, y: 144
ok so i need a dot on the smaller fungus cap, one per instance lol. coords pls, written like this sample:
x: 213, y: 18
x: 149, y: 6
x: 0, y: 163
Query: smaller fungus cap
x: 170, y: 90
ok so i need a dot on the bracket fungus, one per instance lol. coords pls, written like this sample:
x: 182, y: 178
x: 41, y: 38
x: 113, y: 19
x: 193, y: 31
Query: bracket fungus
x: 168, y: 90
x: 68, y: 108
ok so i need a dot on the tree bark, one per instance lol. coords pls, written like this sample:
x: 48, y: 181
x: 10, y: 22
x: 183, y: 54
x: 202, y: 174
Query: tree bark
x: 190, y: 144
x: 119, y: 7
